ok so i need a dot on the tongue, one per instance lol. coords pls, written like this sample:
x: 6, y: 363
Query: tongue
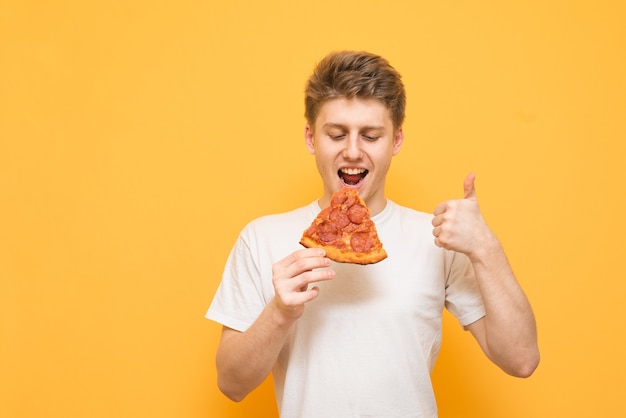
x: 351, y: 179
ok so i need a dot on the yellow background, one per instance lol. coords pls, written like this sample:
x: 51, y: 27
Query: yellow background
x: 138, y: 137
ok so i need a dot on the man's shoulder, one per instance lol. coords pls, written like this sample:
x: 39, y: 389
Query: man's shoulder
x: 303, y: 212
x: 277, y: 223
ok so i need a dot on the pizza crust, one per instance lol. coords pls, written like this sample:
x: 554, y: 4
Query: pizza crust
x: 340, y: 256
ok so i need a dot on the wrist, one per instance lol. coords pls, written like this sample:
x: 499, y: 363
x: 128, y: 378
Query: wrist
x: 487, y: 247
x: 283, y: 316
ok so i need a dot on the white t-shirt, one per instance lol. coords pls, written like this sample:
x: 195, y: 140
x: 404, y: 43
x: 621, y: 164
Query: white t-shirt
x: 367, y: 345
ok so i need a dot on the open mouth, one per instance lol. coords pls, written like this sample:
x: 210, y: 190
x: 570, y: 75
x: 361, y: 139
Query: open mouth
x: 352, y: 176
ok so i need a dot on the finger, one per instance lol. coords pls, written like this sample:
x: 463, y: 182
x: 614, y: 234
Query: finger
x: 295, y: 290
x: 299, y: 298
x: 299, y: 255
x: 301, y: 274
x: 311, y: 294
x: 468, y: 187
x: 297, y: 263
x: 441, y: 208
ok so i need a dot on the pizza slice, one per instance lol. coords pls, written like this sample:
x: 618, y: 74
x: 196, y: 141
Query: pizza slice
x: 345, y: 231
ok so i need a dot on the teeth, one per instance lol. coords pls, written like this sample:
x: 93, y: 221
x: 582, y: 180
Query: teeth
x: 352, y: 171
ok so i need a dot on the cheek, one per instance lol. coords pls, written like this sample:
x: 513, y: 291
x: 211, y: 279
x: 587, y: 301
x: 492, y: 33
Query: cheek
x: 325, y: 152
x: 322, y: 158
x: 383, y: 161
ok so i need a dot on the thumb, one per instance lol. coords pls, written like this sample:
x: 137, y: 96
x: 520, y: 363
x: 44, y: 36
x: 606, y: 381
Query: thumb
x: 468, y: 187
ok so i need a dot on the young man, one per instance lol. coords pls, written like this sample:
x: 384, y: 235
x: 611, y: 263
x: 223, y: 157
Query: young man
x: 348, y: 340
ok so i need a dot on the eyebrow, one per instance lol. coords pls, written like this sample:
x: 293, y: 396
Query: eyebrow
x: 342, y: 126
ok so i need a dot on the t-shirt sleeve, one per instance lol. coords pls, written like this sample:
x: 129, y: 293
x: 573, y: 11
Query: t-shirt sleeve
x: 463, y: 297
x: 239, y: 298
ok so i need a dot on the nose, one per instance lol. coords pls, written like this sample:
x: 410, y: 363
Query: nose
x: 352, y: 149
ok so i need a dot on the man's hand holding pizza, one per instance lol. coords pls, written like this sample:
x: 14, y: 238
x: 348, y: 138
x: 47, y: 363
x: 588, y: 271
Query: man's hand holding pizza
x: 292, y: 276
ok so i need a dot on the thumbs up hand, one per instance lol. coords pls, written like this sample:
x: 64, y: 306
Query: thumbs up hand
x: 459, y: 226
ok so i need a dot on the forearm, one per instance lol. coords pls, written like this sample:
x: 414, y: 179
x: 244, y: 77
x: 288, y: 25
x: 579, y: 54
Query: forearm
x: 245, y: 359
x: 509, y: 332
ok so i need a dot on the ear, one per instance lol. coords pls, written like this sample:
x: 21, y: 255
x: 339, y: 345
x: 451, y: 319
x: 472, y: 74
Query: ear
x: 309, y: 140
x: 397, y: 141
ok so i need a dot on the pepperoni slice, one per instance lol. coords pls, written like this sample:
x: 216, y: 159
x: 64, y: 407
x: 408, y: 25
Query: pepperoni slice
x: 361, y: 242
x: 328, y: 233
x: 344, y: 198
x: 339, y: 218
x: 357, y: 214
x: 338, y: 198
